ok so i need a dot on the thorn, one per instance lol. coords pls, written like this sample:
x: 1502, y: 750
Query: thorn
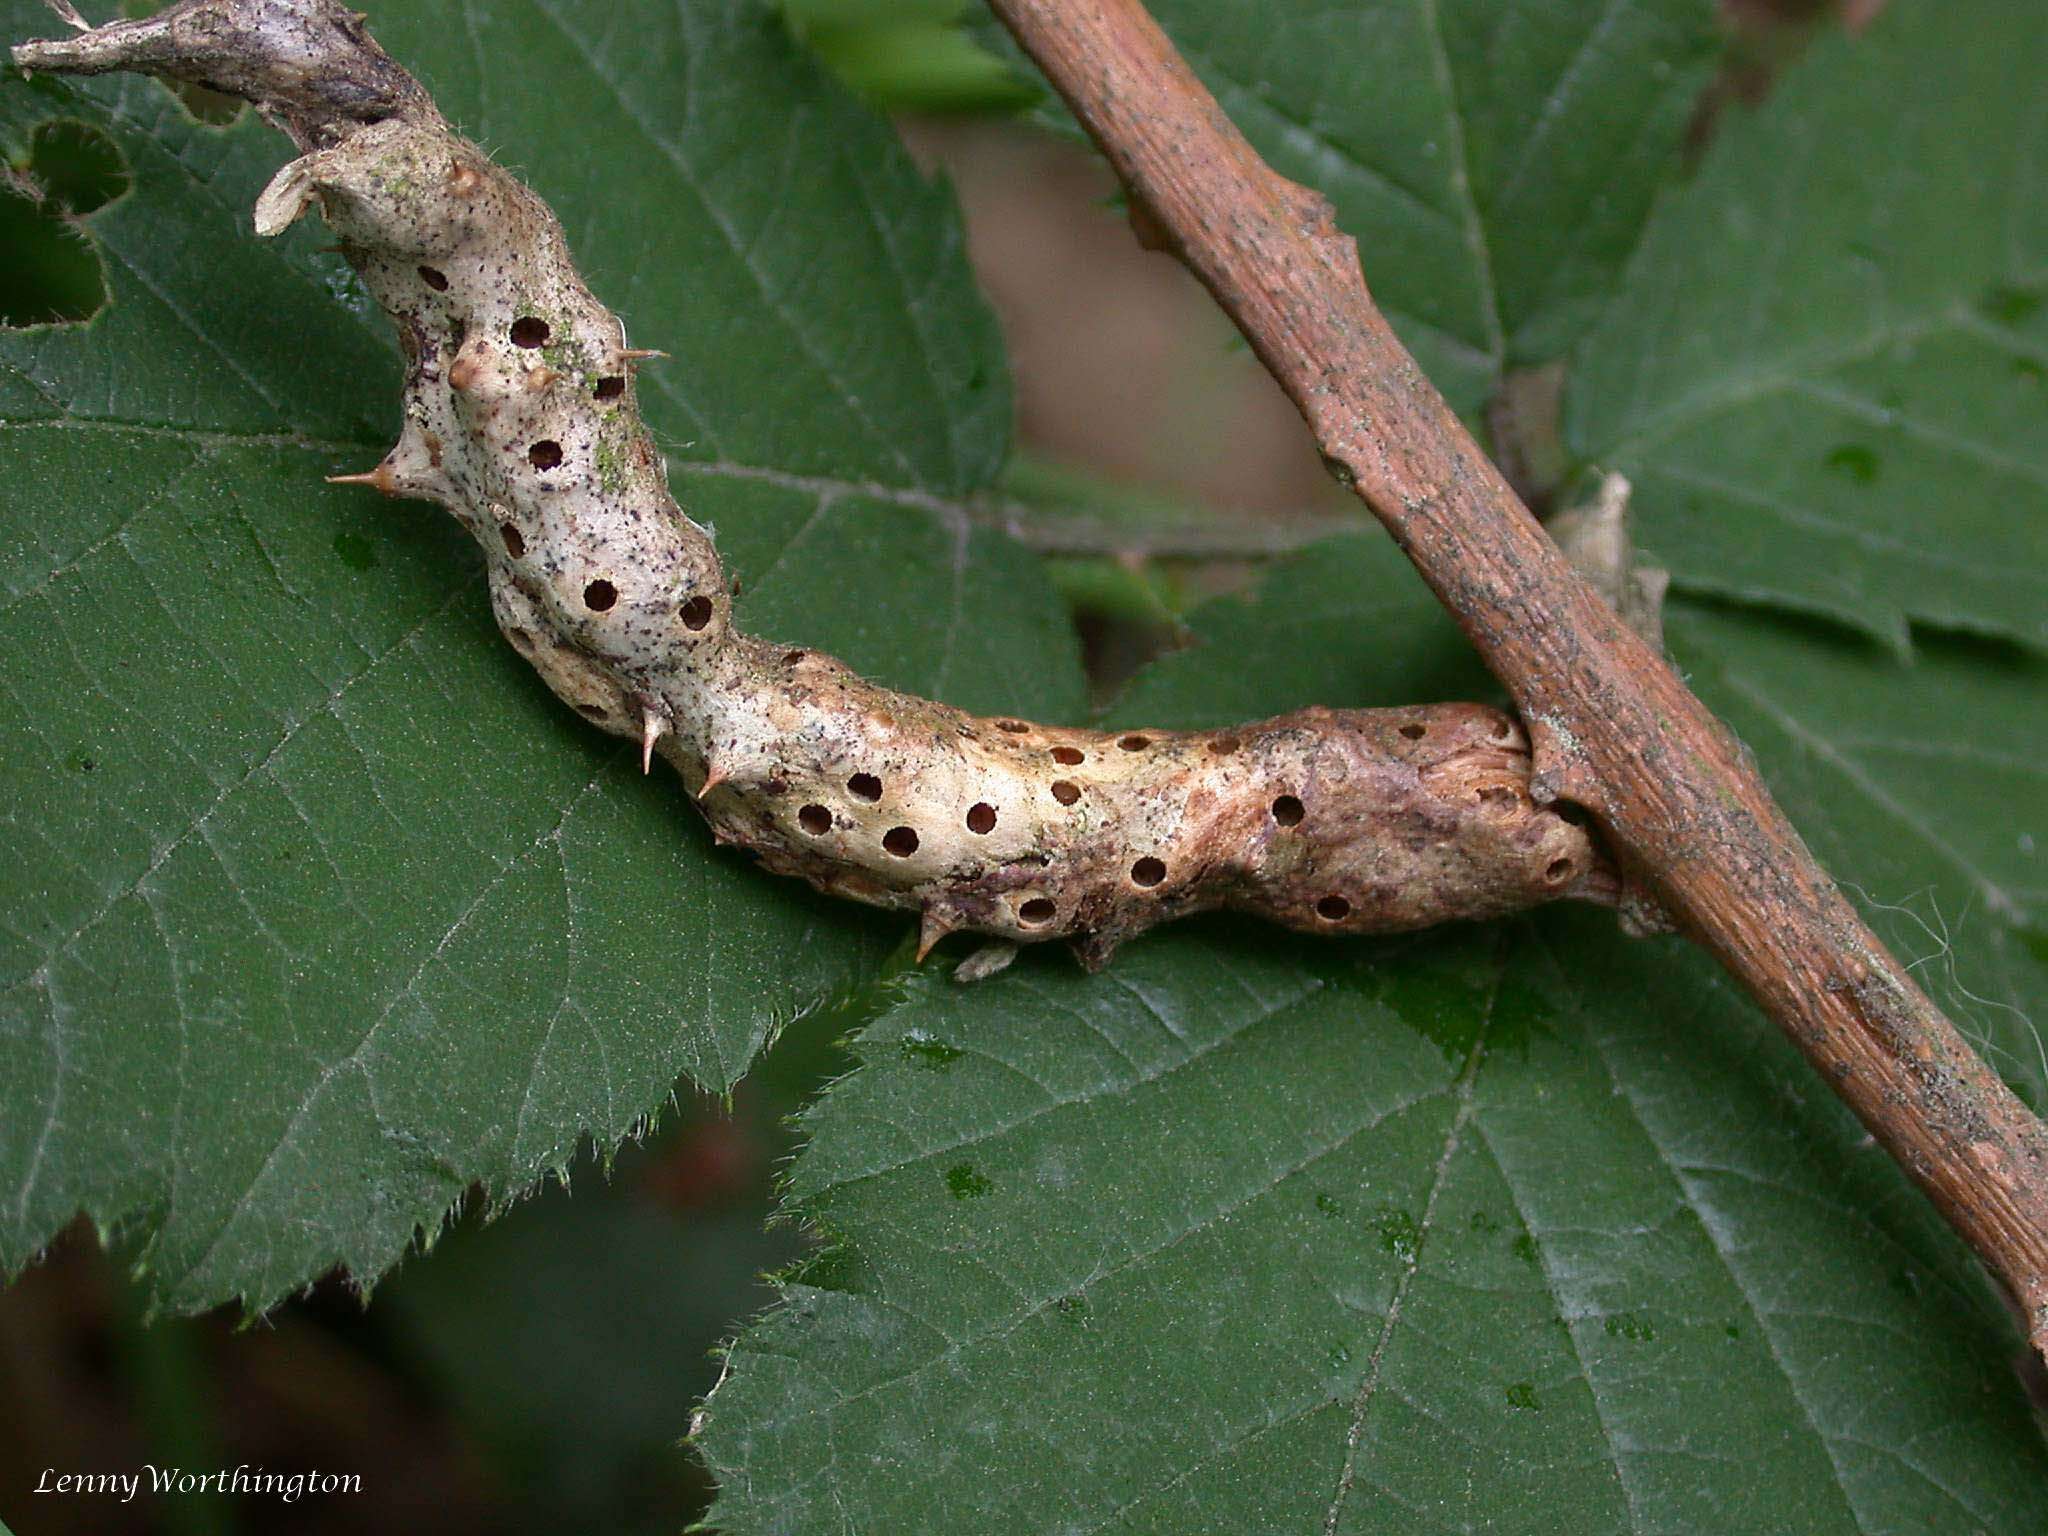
x: 538, y: 379
x: 287, y: 196
x: 379, y: 478
x: 463, y: 180
x: 933, y: 925
x: 462, y: 373
x: 653, y: 726
x: 68, y: 14
x: 639, y: 354
x: 714, y: 776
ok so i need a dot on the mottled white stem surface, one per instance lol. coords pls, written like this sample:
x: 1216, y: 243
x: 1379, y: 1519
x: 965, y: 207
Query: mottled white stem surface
x: 521, y: 420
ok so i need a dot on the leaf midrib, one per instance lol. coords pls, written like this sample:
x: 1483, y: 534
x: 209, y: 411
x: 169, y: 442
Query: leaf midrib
x: 1368, y: 1387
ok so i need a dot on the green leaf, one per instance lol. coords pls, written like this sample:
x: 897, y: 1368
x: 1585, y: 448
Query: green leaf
x: 1923, y: 785
x: 317, y: 907
x: 1496, y: 159
x: 1526, y: 1230
x: 1528, y: 1227
x: 1825, y: 372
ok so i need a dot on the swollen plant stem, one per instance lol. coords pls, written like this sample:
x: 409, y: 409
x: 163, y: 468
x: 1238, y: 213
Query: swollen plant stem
x: 521, y: 418
x: 1614, y: 729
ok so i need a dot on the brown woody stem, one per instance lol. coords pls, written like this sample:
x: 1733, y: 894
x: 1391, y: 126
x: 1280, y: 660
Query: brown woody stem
x: 1614, y: 729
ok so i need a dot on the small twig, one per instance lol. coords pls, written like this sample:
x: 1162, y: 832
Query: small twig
x: 1614, y: 728
x: 1060, y: 530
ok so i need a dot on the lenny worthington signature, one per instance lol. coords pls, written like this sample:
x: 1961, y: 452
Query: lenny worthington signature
x: 288, y: 1486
